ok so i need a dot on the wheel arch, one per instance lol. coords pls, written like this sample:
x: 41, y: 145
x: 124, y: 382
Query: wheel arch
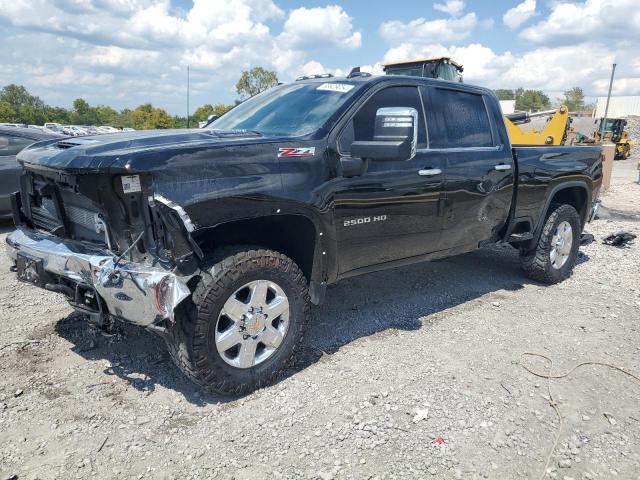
x: 574, y: 193
x: 293, y: 234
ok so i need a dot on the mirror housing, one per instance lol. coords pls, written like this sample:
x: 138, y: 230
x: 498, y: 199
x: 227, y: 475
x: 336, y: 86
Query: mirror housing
x: 395, y: 136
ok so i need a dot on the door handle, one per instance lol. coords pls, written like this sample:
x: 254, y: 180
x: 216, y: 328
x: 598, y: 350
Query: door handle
x: 429, y: 172
x: 502, y: 167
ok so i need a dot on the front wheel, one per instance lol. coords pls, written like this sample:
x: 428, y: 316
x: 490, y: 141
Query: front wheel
x: 553, y: 258
x: 244, y: 324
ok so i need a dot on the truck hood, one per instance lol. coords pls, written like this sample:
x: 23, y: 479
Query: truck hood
x: 128, y: 151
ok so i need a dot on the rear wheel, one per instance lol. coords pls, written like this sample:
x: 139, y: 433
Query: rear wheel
x: 553, y: 258
x: 245, y: 323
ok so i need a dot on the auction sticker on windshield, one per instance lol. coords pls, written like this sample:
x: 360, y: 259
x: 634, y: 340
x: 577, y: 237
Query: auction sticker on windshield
x: 335, y: 87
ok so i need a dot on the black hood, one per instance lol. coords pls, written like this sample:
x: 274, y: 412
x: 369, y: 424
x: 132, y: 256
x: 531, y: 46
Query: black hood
x: 128, y: 151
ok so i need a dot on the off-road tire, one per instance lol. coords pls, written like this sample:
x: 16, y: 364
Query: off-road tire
x: 536, y: 262
x: 188, y: 338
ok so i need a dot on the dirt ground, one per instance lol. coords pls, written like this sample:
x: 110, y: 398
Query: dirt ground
x: 409, y: 373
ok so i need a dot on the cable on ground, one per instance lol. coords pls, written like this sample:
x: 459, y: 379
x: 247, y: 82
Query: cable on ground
x: 549, y: 376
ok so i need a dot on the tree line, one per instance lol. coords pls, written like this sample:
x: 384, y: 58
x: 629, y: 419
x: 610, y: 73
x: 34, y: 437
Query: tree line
x: 536, y: 100
x: 18, y: 105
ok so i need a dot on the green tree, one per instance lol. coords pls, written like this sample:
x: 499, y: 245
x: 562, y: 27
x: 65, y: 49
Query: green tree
x: 203, y: 112
x: 505, y: 94
x: 105, y: 115
x: 574, y: 99
x: 254, y: 81
x: 147, y: 117
x: 531, y: 100
x: 57, y: 114
x: 7, y: 114
x: 26, y: 108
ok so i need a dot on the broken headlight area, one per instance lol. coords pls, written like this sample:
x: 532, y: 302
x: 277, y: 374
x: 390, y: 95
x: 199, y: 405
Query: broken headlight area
x: 172, y: 233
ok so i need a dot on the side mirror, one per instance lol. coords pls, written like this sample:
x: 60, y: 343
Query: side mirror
x: 395, y: 136
x: 211, y: 118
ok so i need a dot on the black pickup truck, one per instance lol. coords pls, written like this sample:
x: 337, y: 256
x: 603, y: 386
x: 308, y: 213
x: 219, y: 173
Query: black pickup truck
x: 219, y: 239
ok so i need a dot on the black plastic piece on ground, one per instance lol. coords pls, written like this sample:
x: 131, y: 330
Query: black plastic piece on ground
x: 620, y: 239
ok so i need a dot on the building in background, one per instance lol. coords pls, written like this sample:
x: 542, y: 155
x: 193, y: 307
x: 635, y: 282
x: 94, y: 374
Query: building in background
x: 618, y: 106
x: 508, y: 106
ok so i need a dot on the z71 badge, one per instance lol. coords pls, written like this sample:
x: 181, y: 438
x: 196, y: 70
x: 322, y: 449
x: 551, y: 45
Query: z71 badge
x: 296, y: 152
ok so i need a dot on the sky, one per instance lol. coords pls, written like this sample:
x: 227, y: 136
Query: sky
x: 127, y: 52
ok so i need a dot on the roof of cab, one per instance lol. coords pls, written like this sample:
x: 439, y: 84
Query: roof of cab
x: 395, y: 79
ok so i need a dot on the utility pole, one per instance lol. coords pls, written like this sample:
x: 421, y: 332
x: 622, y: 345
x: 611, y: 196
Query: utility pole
x: 187, y: 96
x: 606, y: 108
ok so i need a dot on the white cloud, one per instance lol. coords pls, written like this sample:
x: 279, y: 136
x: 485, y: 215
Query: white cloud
x: 481, y: 64
x: 312, y: 68
x: 117, y: 57
x: 144, y: 46
x: 429, y: 31
x: 621, y: 86
x: 551, y: 69
x: 516, y: 16
x: 571, y: 22
x: 452, y: 7
x: 321, y: 26
x: 70, y: 76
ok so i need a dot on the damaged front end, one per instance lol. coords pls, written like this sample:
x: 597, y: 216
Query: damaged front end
x: 106, y: 243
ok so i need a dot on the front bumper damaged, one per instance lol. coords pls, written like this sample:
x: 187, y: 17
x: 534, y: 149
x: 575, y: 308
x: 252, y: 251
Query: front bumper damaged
x: 138, y: 293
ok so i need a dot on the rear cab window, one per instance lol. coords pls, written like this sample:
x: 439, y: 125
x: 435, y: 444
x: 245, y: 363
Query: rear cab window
x: 457, y: 119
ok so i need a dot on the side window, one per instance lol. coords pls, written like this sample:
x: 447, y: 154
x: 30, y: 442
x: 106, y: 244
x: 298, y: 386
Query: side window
x: 361, y: 126
x: 10, y: 145
x: 457, y: 120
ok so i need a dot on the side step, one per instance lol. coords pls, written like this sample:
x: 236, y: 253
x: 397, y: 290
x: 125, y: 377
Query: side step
x: 520, y: 237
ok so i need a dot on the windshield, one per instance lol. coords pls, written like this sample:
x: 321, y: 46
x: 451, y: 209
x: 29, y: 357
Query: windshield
x: 288, y: 110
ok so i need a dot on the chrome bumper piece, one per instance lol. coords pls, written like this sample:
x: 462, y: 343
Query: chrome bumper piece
x: 137, y: 293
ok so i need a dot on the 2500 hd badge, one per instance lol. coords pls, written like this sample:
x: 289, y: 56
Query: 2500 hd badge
x: 363, y: 220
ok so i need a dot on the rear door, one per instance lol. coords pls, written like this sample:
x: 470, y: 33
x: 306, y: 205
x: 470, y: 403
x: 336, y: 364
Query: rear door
x: 479, y: 168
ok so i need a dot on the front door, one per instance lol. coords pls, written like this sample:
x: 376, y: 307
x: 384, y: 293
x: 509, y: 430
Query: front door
x: 391, y: 211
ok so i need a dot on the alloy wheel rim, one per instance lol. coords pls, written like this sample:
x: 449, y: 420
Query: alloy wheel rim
x: 252, y: 324
x: 561, y: 244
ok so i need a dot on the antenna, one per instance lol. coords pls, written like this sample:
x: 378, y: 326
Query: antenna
x: 187, y: 96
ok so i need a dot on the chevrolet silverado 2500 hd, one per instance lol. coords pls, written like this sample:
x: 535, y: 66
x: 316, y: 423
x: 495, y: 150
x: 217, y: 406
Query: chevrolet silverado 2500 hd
x: 219, y: 238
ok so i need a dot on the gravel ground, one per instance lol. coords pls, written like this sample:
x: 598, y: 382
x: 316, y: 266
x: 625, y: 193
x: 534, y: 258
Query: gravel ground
x: 411, y: 373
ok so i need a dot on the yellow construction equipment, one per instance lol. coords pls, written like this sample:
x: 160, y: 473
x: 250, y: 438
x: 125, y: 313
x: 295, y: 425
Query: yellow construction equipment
x: 554, y: 132
x: 615, y: 133
x: 444, y: 68
x: 436, y: 67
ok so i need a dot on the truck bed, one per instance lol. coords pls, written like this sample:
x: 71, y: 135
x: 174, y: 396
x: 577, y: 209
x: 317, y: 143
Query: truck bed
x: 541, y: 170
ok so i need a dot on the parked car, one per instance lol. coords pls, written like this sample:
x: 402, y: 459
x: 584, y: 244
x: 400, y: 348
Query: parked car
x: 74, y: 131
x: 219, y: 239
x: 12, y: 140
x: 56, y: 127
x: 107, y: 129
